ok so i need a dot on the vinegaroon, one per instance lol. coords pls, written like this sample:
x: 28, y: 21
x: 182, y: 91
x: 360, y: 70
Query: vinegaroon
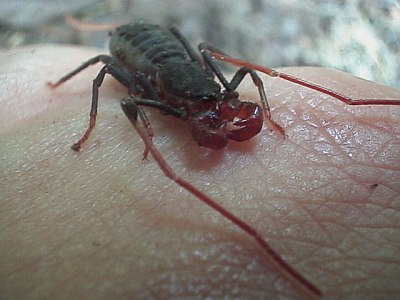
x: 161, y: 70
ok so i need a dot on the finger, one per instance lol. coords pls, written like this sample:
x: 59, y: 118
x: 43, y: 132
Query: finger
x: 267, y: 182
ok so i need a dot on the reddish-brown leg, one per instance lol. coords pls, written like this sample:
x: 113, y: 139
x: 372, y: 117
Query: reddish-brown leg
x: 86, y: 26
x: 108, y: 68
x: 302, y: 82
x: 120, y: 75
x: 130, y: 110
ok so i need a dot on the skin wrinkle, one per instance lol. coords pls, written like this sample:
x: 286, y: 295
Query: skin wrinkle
x: 348, y: 231
x: 367, y: 186
x: 332, y: 142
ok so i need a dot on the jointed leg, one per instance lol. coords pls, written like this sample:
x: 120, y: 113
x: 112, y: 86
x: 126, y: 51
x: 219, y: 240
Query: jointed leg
x: 153, y: 100
x: 237, y: 79
x: 204, y: 50
x: 110, y: 68
x: 130, y: 81
x: 135, y: 103
x: 99, y: 58
x: 189, y: 49
x: 130, y: 110
x: 117, y: 73
x: 216, y: 54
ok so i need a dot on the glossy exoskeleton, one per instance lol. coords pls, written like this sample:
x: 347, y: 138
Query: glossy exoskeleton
x: 161, y: 70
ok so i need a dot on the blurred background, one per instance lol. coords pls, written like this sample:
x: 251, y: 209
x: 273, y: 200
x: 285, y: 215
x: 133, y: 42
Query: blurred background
x: 361, y: 37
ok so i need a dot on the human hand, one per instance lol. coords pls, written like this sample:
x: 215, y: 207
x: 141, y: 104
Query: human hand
x: 102, y: 223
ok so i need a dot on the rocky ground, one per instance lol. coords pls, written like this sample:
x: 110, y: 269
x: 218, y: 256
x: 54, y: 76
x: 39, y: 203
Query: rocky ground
x: 358, y: 36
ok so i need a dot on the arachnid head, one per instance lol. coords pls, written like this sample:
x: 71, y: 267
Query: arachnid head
x: 230, y: 118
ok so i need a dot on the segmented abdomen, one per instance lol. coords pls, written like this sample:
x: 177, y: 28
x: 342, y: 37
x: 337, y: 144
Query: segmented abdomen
x: 144, y: 47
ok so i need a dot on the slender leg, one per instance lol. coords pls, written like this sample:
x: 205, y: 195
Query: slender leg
x: 237, y: 79
x: 154, y: 100
x: 130, y: 110
x: 111, y: 69
x: 103, y: 58
x: 135, y: 102
x: 216, y: 54
x: 142, y: 80
x: 135, y: 109
x: 204, y: 50
x: 189, y: 49
x: 132, y: 82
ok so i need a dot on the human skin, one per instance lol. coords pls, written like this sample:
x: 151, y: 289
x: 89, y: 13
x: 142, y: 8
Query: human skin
x: 105, y: 224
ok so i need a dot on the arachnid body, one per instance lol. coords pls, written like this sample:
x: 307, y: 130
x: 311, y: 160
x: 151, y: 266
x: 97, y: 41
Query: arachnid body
x: 161, y: 70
